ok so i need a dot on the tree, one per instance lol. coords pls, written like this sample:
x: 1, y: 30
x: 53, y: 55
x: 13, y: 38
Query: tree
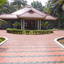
x: 8, y: 8
x: 2, y: 22
x: 56, y: 10
x: 53, y: 1
x: 48, y: 7
x: 1, y: 3
x: 19, y: 3
x: 37, y: 5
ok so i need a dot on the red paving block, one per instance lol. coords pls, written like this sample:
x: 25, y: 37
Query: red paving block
x: 25, y: 43
x: 34, y: 43
x: 31, y: 59
x: 62, y: 63
x: 45, y: 49
x: 27, y: 46
x: 30, y: 53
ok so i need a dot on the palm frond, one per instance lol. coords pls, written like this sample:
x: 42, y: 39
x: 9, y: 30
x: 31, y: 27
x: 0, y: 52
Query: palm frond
x: 2, y: 22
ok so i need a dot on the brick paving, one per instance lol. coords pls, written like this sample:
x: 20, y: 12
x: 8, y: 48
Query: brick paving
x: 31, y: 49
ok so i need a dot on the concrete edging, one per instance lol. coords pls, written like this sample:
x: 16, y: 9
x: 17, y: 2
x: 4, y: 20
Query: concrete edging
x: 6, y: 39
x: 56, y: 41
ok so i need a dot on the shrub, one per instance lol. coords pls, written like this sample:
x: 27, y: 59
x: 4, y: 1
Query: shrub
x: 31, y: 32
x: 23, y: 31
x: 19, y: 31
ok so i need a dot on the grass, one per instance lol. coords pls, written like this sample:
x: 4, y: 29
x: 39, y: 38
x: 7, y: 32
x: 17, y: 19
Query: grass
x: 60, y: 28
x: 2, y: 39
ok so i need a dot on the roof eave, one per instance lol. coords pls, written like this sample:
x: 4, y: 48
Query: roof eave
x: 51, y: 19
x: 8, y: 18
x: 30, y: 18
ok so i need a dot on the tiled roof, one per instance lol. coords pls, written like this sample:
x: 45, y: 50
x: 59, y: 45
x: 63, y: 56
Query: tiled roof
x: 31, y: 15
x: 49, y: 17
x: 28, y: 8
x: 8, y: 16
x: 24, y: 13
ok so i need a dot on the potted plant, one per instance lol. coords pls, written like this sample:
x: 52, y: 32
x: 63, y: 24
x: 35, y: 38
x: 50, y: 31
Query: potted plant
x: 45, y: 25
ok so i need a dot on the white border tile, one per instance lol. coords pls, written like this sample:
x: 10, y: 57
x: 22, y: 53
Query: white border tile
x: 6, y: 39
x: 55, y: 40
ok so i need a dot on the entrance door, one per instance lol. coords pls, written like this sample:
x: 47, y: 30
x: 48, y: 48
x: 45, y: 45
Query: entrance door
x: 30, y: 24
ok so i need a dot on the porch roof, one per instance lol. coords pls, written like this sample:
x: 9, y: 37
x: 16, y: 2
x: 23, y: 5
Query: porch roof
x: 31, y: 15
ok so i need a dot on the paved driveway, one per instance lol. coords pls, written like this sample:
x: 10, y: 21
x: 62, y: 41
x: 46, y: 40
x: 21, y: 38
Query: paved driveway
x: 31, y: 49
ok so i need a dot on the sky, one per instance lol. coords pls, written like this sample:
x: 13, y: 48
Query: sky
x: 29, y: 1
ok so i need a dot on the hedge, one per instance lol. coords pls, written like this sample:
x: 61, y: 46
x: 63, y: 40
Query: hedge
x: 19, y: 31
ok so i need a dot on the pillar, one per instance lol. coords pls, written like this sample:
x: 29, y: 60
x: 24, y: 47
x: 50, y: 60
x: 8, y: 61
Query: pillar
x: 21, y: 24
x: 37, y: 24
x: 40, y: 24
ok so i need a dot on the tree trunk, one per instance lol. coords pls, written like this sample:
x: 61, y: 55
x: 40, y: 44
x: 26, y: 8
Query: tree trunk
x: 59, y: 20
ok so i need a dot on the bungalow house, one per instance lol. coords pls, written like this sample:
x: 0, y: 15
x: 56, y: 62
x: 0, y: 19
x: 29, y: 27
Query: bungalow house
x: 29, y: 17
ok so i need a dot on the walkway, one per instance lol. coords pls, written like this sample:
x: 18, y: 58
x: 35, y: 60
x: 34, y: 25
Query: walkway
x: 31, y: 49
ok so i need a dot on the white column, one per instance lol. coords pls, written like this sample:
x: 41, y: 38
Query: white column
x: 21, y: 24
x: 37, y: 24
x: 40, y: 24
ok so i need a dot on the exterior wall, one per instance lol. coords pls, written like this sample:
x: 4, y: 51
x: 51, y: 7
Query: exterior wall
x: 9, y: 23
x: 50, y: 24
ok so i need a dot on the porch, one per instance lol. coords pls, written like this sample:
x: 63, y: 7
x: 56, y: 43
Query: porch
x: 31, y: 24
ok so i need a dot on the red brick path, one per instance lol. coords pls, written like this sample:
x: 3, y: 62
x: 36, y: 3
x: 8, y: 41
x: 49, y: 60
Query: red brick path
x: 31, y: 49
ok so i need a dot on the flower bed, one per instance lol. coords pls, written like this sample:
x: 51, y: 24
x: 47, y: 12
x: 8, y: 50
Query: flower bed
x: 60, y: 41
x: 19, y: 31
x: 2, y: 39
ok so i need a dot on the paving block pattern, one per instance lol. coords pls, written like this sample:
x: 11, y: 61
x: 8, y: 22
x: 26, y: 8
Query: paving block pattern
x: 31, y: 49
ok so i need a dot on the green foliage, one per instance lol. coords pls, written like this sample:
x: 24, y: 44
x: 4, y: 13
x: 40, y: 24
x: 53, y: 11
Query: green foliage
x: 47, y: 7
x: 23, y: 31
x: 1, y: 39
x: 2, y: 2
x: 19, y: 31
x: 2, y: 22
x: 7, y: 7
x: 19, y: 3
x: 62, y: 17
x: 37, y: 5
x: 53, y: 1
x: 17, y: 24
x: 45, y: 24
x: 31, y: 32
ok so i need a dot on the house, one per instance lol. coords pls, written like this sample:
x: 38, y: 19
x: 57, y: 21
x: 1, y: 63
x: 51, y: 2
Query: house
x: 29, y: 17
